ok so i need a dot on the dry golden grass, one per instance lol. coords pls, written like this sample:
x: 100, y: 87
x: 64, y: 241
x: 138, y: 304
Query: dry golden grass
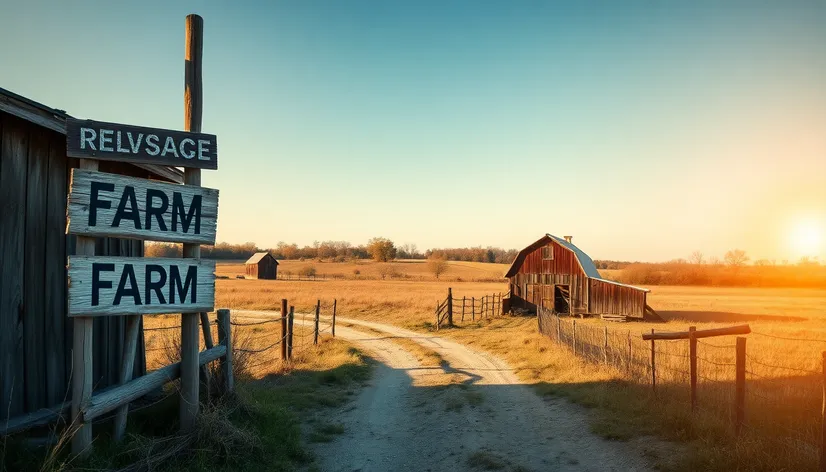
x: 401, y: 269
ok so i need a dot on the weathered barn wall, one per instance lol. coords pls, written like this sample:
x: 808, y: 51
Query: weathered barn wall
x: 35, y: 333
x: 608, y: 298
x: 534, y: 282
x: 266, y: 268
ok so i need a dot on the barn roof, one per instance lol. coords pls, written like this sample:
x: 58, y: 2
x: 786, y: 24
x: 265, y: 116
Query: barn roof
x: 583, y: 259
x: 55, y: 120
x: 256, y: 258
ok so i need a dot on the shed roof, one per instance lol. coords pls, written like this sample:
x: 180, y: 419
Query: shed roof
x: 55, y: 120
x: 258, y: 256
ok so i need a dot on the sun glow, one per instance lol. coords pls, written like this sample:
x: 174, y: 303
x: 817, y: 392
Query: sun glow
x: 807, y: 237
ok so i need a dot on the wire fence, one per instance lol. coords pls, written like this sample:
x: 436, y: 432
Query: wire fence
x: 780, y: 399
x: 257, y: 344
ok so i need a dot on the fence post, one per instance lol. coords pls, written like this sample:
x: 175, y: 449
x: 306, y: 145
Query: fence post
x: 133, y: 323
x: 630, y: 352
x: 283, y: 329
x: 437, y: 315
x: 558, y: 329
x: 573, y: 335
x: 463, y: 308
x: 653, y: 366
x: 740, y: 389
x: 225, y: 339
x: 315, y: 330
x: 692, y: 354
x: 823, y: 420
x: 450, y: 307
x: 335, y: 302
x: 605, y: 347
x: 473, y: 308
x: 290, y: 327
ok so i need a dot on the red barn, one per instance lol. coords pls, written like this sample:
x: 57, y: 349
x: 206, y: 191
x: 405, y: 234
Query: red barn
x: 554, y: 274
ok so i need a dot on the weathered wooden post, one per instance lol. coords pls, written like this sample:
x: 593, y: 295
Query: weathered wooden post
x: 558, y: 329
x: 193, y: 111
x: 740, y: 388
x: 653, y: 366
x: 335, y: 302
x: 438, y: 305
x: 463, y: 308
x: 290, y: 327
x: 127, y: 366
x: 315, y: 330
x: 450, y: 306
x: 692, y: 354
x: 225, y: 339
x: 823, y: 418
x: 283, y: 329
x: 82, y: 338
x: 605, y: 347
x: 473, y: 308
x: 573, y: 336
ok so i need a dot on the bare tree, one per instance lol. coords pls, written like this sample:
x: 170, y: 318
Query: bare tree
x: 697, y: 257
x: 736, y: 258
x: 437, y: 265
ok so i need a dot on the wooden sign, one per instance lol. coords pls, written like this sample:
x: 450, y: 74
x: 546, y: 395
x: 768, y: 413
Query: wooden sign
x: 102, y: 204
x: 103, y: 286
x: 116, y: 142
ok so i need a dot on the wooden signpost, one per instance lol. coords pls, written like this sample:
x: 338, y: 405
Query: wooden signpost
x: 106, y: 205
x: 89, y: 139
x: 103, y: 204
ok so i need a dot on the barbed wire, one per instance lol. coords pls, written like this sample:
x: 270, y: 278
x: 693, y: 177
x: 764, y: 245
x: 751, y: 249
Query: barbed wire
x: 256, y: 323
x: 797, y: 369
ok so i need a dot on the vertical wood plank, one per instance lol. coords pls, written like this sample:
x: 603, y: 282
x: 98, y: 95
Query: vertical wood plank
x: 335, y: 303
x: 225, y: 338
x: 317, y: 314
x: 283, y: 329
x: 740, y: 387
x: 193, y: 107
x: 57, y: 356
x: 34, y: 320
x: 13, y: 169
x: 82, y: 349
x: 130, y: 344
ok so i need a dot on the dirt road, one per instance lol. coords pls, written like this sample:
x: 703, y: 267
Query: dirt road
x: 469, y: 413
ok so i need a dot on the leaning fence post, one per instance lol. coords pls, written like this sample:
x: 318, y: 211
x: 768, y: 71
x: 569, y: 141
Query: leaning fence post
x: 335, y: 302
x: 573, y: 335
x: 290, y: 327
x: 283, y: 329
x: 692, y: 354
x: 605, y: 347
x: 315, y: 330
x: 653, y: 366
x: 225, y: 339
x: 740, y: 389
x: 450, y: 306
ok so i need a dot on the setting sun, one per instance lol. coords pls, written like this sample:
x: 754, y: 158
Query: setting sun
x: 807, y: 237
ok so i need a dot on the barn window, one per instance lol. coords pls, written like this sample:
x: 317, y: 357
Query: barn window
x: 548, y: 253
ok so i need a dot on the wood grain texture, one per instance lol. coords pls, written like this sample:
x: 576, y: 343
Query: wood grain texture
x: 133, y: 323
x: 225, y: 339
x: 34, y: 313
x: 102, y: 204
x: 57, y: 356
x: 90, y: 139
x: 104, y: 402
x: 13, y: 169
x: 173, y: 296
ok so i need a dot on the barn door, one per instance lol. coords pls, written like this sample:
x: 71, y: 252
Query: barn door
x: 562, y: 298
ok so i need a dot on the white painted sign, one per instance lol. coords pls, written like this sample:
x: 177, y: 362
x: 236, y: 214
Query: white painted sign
x: 102, y: 204
x: 103, y: 286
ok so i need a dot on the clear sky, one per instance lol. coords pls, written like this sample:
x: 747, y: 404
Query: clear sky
x: 645, y: 129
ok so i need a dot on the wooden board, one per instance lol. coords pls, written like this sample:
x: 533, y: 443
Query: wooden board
x: 118, y: 142
x: 102, y: 204
x: 103, y: 286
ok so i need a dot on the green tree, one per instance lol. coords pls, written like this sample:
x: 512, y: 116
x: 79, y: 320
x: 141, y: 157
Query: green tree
x: 382, y: 249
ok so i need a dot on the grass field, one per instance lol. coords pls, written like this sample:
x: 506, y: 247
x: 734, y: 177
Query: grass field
x: 623, y: 409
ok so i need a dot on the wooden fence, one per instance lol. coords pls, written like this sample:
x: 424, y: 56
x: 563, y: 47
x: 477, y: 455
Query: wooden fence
x: 719, y: 380
x: 472, y: 308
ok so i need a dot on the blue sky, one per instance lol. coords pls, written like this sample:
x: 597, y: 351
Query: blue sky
x: 646, y: 129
